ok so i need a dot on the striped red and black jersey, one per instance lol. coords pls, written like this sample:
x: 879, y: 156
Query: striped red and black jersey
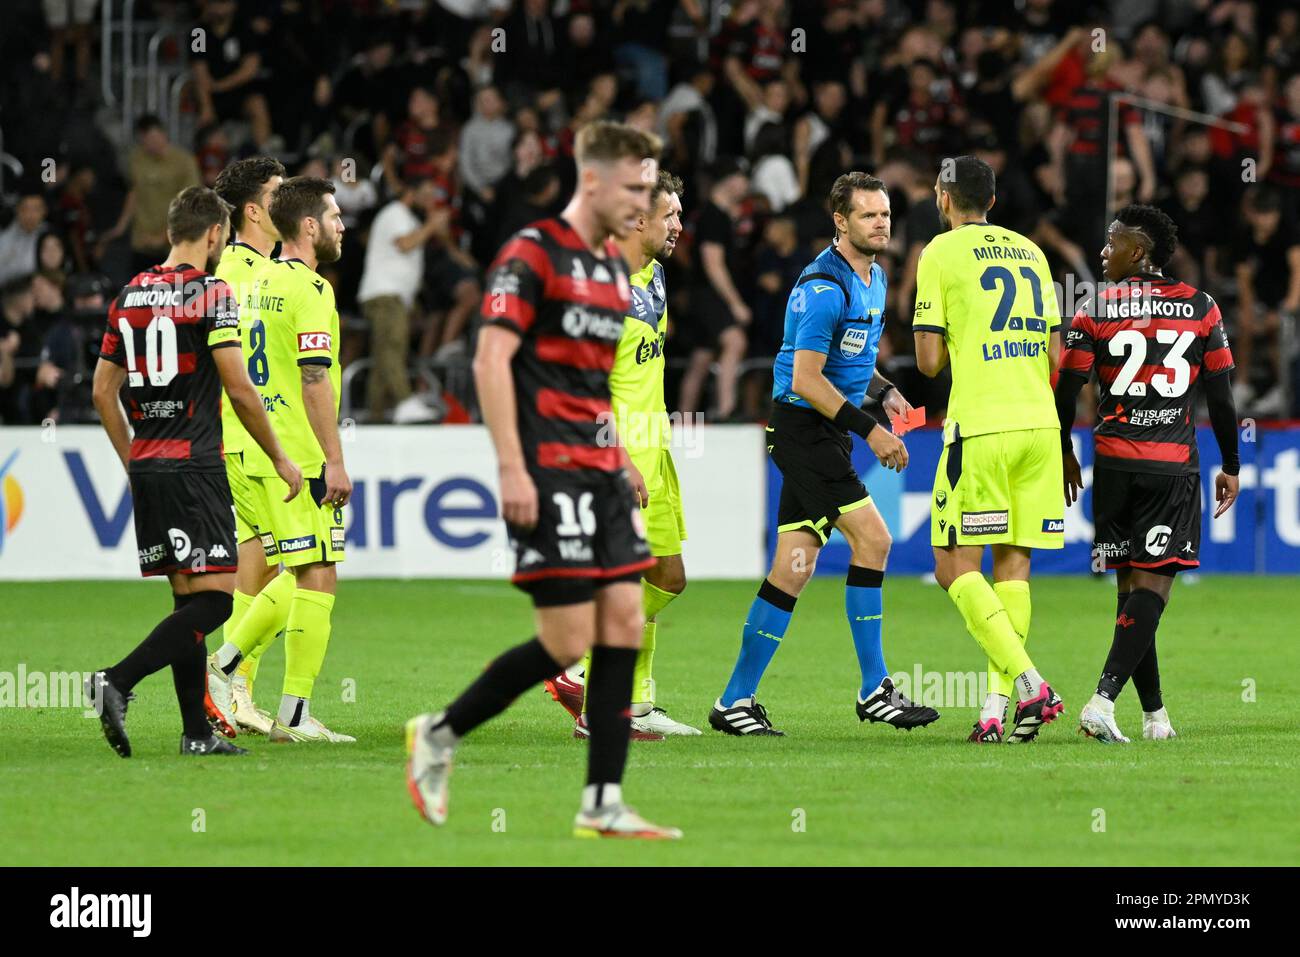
x: 1149, y: 339
x: 162, y: 329
x: 568, y: 305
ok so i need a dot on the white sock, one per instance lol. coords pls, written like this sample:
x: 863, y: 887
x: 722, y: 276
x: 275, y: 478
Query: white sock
x: 289, y: 705
x: 227, y: 654
x: 441, y: 735
x: 995, y: 706
x: 1158, y: 717
x: 1028, y: 684
x: 642, y: 708
x: 1104, y: 705
x: 575, y: 672
x: 597, y: 796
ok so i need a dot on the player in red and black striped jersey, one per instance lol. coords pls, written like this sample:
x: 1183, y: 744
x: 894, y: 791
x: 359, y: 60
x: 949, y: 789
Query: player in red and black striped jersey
x: 1150, y: 339
x: 553, y: 314
x: 173, y: 342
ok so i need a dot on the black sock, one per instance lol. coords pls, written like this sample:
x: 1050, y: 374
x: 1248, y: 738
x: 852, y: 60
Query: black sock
x: 204, y: 612
x: 169, y: 639
x: 505, y: 679
x: 190, y: 679
x: 609, y: 712
x: 1135, y: 631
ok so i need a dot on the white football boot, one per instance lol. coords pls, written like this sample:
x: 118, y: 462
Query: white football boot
x: 1156, y: 726
x: 308, y: 730
x: 656, y: 721
x: 247, y: 715
x: 619, y: 820
x: 1096, y: 721
x: 217, y: 704
x: 429, y: 750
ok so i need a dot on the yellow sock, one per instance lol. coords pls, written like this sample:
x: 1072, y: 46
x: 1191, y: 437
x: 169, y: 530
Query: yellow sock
x: 266, y: 616
x: 1014, y: 596
x: 586, y: 679
x: 989, y: 624
x: 643, y: 683
x: 653, y: 600
x: 306, y: 636
x: 238, y: 610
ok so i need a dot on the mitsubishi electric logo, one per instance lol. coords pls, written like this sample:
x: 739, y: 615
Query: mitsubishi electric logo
x: 134, y: 911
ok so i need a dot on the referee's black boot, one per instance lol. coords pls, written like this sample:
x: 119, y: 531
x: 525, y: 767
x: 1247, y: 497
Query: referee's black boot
x: 197, y: 747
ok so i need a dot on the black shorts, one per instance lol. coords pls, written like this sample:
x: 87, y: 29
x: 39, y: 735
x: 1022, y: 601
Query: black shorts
x: 184, y: 522
x: 1146, y: 520
x: 589, y: 534
x: 709, y: 318
x: 819, y: 482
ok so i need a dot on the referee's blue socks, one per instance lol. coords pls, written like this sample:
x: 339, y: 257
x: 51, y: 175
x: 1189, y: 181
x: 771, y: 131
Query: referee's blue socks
x: 765, y: 626
x: 864, y: 607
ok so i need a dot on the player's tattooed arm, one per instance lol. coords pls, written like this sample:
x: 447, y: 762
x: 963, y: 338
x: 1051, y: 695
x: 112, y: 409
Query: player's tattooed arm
x: 322, y: 416
x: 109, y: 377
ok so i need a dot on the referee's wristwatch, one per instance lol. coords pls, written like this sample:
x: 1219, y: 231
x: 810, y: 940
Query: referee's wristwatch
x: 885, y: 391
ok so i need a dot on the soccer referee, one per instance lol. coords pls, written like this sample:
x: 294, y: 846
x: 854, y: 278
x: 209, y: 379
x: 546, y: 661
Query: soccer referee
x: 986, y: 306
x: 826, y: 366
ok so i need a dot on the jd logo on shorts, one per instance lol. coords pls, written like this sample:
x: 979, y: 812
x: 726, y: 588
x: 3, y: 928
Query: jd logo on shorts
x: 984, y: 523
x: 180, y: 543
x: 854, y: 341
x: 1054, y: 525
x: 1158, y: 539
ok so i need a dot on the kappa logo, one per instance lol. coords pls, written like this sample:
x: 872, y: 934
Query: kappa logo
x: 180, y: 543
x: 314, y: 341
x: 1124, y: 621
x: 218, y: 551
x: 1158, y: 539
x: 530, y: 557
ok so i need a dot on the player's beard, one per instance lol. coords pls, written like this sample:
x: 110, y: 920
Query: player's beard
x: 864, y: 246
x: 327, y: 251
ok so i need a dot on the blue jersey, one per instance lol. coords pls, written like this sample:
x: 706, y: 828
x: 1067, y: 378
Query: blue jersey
x: 832, y: 311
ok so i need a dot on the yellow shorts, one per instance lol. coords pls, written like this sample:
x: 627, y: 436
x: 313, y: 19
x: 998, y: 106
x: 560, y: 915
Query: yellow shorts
x: 241, y: 491
x: 665, y: 520
x: 301, y: 531
x: 1001, y: 488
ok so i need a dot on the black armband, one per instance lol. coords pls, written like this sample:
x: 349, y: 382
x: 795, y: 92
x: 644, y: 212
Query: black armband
x: 852, y: 419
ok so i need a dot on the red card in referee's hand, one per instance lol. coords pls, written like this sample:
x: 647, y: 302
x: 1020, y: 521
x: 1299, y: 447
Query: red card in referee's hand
x: 902, y: 424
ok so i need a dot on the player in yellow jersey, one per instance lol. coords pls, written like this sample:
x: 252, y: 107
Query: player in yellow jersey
x: 636, y: 385
x: 261, y: 600
x: 986, y: 306
x: 299, y: 383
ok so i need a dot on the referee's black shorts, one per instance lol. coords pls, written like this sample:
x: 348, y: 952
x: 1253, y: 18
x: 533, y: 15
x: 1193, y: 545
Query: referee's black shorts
x: 819, y: 483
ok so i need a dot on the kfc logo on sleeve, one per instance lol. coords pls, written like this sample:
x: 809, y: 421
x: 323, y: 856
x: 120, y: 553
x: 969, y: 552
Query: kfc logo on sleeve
x: 313, y: 342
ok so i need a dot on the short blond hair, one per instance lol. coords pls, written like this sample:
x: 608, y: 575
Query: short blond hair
x: 606, y: 142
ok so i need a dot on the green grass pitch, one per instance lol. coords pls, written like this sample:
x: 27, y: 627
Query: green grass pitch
x: 832, y: 792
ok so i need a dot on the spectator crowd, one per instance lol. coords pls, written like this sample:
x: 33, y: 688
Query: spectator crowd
x: 448, y: 124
